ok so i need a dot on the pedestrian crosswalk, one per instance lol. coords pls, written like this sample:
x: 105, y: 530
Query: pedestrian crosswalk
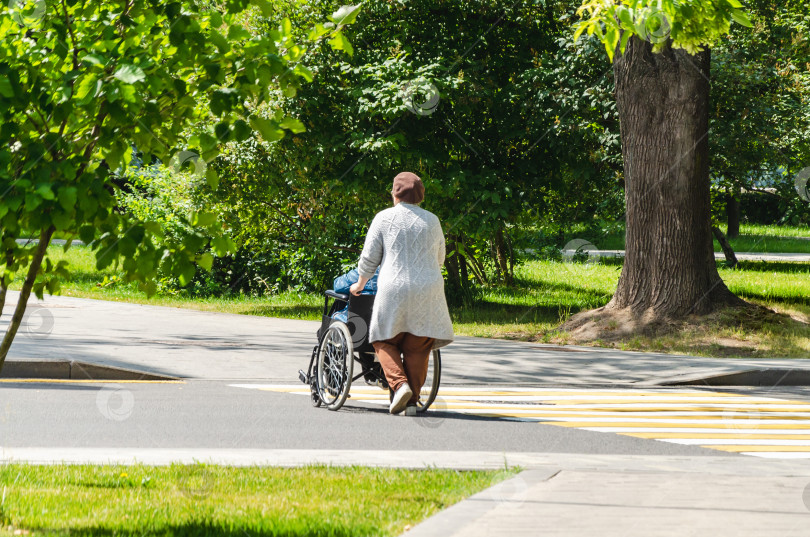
x: 751, y: 425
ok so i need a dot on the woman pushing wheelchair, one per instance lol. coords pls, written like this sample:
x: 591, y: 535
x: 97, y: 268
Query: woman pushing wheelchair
x: 410, y: 316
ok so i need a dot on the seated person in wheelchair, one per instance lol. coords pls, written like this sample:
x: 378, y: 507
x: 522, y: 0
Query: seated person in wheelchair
x: 343, y: 283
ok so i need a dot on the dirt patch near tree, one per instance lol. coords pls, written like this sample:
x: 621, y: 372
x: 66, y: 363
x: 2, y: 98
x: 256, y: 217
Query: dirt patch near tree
x: 751, y: 331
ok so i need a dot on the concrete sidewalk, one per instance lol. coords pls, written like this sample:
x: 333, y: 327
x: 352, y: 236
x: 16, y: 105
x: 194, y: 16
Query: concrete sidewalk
x: 578, y: 501
x: 192, y: 344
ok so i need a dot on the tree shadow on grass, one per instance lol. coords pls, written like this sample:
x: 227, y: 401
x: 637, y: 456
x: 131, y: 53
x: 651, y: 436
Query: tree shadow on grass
x: 495, y: 313
x: 289, y: 311
x: 789, y: 300
x: 785, y: 267
x: 569, y: 299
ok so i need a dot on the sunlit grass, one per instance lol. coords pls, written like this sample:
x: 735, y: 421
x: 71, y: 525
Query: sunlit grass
x: 773, y: 230
x: 753, y: 238
x: 211, y: 500
x: 107, y: 284
x: 545, y: 294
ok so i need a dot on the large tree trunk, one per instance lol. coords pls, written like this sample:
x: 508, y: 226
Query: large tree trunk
x: 663, y: 101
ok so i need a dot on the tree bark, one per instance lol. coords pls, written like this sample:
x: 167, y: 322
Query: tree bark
x: 3, y: 283
x: 477, y: 269
x: 502, y: 257
x: 728, y: 251
x: 733, y: 212
x: 663, y: 101
x: 25, y: 292
x: 3, y: 293
x: 451, y: 265
x: 462, y: 265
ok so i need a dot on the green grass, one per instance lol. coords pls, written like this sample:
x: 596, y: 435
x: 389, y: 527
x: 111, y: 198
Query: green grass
x: 759, y: 238
x: 240, y: 502
x: 753, y: 238
x: 87, y: 282
x: 545, y: 294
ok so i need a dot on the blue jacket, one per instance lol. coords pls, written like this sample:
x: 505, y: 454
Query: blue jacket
x: 343, y: 283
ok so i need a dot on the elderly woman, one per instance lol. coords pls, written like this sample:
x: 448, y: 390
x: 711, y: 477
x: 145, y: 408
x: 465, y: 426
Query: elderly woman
x: 410, y: 316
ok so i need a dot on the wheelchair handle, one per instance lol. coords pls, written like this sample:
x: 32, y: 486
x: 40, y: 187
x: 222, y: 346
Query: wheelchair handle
x: 339, y: 296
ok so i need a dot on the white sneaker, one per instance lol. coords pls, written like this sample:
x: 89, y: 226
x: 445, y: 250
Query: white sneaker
x: 401, y: 398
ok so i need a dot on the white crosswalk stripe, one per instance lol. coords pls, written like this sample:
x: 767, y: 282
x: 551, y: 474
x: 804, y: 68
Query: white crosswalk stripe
x: 752, y: 425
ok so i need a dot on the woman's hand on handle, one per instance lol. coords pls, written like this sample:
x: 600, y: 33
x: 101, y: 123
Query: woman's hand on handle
x: 357, y: 287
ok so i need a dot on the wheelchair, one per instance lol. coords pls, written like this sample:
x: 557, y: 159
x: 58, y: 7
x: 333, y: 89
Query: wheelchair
x: 341, y: 345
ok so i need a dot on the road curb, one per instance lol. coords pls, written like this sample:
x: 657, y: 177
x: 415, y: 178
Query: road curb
x: 768, y: 378
x: 72, y: 370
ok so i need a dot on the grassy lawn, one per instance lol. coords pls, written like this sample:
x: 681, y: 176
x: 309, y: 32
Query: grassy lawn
x: 753, y: 238
x: 241, y: 502
x: 546, y: 294
x: 87, y: 282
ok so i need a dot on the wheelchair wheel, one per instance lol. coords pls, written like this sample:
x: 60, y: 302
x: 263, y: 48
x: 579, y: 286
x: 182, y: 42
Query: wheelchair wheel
x: 335, y: 366
x: 431, y: 386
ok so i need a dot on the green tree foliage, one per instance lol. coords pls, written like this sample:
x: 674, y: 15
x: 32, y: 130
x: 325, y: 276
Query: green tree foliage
x: 84, y: 85
x: 478, y: 98
x: 760, y: 128
x: 690, y: 25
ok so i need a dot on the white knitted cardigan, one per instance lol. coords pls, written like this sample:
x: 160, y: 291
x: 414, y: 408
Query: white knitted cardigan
x: 407, y: 243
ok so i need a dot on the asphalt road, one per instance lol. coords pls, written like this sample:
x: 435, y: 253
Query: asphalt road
x: 213, y: 414
x: 236, y: 371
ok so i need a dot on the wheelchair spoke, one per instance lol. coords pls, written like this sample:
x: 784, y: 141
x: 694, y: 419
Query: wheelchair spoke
x: 335, y: 361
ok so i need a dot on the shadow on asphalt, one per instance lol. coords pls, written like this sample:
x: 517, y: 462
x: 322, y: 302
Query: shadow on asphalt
x: 431, y: 415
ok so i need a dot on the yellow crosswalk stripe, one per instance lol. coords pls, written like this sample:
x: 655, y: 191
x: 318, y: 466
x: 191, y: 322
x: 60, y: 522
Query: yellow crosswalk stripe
x: 730, y: 434
x: 752, y: 425
x: 755, y: 449
x: 704, y: 424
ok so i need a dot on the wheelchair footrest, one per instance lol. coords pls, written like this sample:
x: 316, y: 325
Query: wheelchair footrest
x: 303, y: 376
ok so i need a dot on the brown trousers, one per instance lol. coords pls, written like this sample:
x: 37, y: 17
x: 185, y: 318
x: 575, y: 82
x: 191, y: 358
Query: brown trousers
x: 404, y: 358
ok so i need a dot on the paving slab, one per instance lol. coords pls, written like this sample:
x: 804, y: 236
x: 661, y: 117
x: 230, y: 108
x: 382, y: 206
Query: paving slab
x: 192, y: 344
x: 576, y: 503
